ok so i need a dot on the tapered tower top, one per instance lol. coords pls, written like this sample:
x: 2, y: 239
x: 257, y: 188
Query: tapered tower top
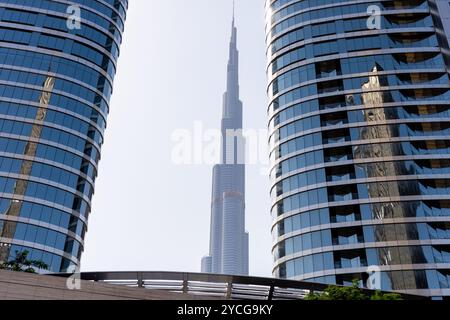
x: 232, y: 103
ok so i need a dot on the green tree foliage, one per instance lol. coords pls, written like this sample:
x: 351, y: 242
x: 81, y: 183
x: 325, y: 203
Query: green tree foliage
x: 385, y: 296
x: 21, y: 263
x: 352, y: 293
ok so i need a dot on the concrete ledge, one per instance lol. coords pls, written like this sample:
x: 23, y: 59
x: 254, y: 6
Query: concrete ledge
x: 24, y: 286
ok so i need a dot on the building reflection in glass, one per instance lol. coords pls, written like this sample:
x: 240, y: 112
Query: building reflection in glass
x: 20, y: 187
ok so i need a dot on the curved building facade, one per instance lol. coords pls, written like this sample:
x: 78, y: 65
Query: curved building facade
x: 359, y: 121
x: 57, y: 64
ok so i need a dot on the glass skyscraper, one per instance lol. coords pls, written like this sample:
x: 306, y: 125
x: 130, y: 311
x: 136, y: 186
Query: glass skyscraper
x: 359, y: 120
x: 229, y: 242
x: 56, y: 78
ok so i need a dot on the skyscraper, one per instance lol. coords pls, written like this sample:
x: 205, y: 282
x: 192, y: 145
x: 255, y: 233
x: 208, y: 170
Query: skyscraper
x: 58, y: 60
x: 228, y: 239
x: 359, y: 120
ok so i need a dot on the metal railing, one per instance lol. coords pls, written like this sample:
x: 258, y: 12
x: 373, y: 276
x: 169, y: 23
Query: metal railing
x: 212, y: 285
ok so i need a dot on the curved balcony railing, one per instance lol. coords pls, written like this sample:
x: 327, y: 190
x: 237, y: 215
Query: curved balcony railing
x: 224, y: 287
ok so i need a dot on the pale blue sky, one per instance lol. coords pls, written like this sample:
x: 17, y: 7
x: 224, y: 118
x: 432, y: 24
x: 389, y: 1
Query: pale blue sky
x: 149, y: 214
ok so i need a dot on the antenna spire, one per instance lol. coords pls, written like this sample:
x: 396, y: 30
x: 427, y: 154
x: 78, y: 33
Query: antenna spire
x: 233, y: 10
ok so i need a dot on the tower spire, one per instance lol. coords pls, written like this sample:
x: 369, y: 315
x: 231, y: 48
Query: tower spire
x: 233, y: 25
x: 233, y: 11
x: 232, y: 93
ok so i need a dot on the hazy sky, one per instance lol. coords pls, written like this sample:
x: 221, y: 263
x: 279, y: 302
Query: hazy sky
x: 148, y: 213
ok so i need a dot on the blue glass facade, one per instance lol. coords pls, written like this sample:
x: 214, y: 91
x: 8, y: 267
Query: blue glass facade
x: 359, y: 124
x: 55, y: 87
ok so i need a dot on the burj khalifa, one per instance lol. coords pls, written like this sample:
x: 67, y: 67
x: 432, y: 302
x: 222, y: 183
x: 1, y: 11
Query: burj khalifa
x: 228, y: 239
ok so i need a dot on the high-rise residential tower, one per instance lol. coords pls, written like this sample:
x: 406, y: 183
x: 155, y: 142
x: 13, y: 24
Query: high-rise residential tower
x: 228, y: 239
x: 359, y: 120
x: 57, y: 64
